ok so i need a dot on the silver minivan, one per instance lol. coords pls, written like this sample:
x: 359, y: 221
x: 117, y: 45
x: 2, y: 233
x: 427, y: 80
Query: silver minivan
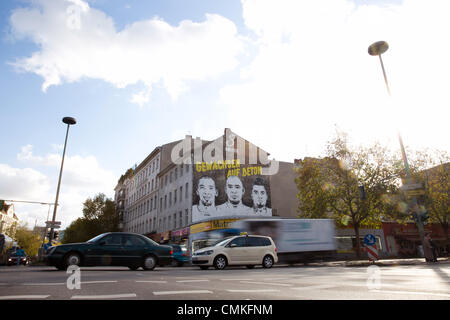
x: 248, y: 250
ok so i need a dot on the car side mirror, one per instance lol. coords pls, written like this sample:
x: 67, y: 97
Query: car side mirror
x: 233, y: 245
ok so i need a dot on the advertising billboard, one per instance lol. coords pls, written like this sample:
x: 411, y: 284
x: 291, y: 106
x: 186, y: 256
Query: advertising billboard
x: 229, y: 188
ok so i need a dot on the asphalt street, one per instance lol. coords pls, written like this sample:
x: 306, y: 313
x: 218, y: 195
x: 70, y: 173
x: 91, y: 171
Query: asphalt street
x: 401, y: 282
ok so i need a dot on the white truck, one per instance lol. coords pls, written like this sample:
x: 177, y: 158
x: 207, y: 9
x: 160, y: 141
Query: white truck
x: 297, y: 240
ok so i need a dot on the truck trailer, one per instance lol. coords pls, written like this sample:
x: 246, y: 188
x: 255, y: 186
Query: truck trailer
x: 297, y: 240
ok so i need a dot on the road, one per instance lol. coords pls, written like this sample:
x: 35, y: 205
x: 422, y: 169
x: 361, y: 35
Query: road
x: 423, y: 282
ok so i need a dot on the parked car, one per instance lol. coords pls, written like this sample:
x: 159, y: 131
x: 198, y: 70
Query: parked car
x: 180, y: 254
x: 238, y: 250
x: 12, y: 260
x: 112, y: 249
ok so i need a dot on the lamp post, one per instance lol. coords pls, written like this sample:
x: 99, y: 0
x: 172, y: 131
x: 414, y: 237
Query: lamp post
x: 377, y: 49
x: 69, y: 121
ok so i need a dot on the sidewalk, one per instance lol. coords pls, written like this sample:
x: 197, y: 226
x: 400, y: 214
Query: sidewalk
x: 385, y: 262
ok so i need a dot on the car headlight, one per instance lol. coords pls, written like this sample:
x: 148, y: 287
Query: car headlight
x: 204, y: 253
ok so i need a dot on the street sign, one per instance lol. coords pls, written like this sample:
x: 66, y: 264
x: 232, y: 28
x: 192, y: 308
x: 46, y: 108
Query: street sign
x: 369, y: 240
x: 372, y: 252
x: 411, y: 193
x: 54, y: 225
x: 412, y: 186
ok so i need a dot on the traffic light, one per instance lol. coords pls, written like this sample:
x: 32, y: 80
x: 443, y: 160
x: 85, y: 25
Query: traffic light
x: 49, y: 234
x: 55, y: 235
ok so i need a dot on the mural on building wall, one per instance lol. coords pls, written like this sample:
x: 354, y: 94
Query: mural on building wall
x: 229, y: 188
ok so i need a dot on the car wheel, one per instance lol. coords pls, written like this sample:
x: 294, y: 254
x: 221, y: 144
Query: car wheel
x: 250, y: 267
x: 149, y: 263
x: 220, y: 262
x: 133, y: 267
x: 204, y: 267
x: 72, y: 259
x: 267, y: 262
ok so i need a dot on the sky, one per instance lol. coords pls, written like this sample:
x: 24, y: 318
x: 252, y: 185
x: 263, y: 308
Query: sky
x: 283, y: 74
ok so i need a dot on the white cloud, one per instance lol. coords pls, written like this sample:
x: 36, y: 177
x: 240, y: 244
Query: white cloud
x: 77, y: 42
x: 83, y: 177
x: 312, y: 71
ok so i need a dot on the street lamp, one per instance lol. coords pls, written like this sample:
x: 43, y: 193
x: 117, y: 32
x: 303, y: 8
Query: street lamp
x: 377, y: 49
x: 69, y: 121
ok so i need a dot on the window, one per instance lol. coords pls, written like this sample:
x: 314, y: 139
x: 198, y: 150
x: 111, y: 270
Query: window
x: 181, y: 193
x: 240, y: 242
x: 151, y: 204
x: 176, y: 173
x: 165, y: 201
x: 171, y: 173
x: 175, y: 220
x: 175, y: 196
x: 160, y: 204
x: 181, y: 170
x: 113, y: 239
x: 187, y: 187
x: 258, y: 241
x: 187, y: 217
x: 170, y: 199
x: 165, y: 180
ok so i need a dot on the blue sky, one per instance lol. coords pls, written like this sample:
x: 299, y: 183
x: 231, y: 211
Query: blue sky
x: 138, y: 74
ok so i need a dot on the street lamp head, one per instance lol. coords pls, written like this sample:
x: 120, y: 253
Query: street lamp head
x: 378, y: 48
x: 69, y: 120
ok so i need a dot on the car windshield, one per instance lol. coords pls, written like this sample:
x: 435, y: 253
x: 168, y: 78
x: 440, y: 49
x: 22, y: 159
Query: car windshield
x: 222, y: 242
x: 96, y: 238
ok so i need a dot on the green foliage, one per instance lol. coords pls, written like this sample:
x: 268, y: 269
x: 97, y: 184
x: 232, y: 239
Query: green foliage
x: 432, y: 170
x: 328, y: 187
x: 99, y: 216
x: 28, y: 240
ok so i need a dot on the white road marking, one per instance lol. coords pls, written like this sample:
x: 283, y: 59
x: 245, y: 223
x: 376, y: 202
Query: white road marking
x: 322, y: 286
x: 236, y: 279
x: 96, y: 282
x: 150, y: 281
x: 193, y: 280
x: 44, y: 284
x: 268, y: 283
x: 251, y: 291
x: 23, y: 297
x: 111, y: 296
x: 159, y: 293
x: 414, y: 293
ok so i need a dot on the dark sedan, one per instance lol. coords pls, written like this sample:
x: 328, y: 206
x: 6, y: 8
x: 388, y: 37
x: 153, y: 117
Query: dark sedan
x: 112, y: 249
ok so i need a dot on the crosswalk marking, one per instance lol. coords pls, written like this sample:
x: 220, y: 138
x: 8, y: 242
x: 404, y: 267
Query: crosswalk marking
x: 110, y: 296
x: 24, y: 297
x: 159, y: 293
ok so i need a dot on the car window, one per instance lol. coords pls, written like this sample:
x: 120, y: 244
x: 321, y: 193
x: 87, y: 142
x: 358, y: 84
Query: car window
x: 176, y: 248
x: 266, y: 242
x: 113, y: 239
x: 240, y: 242
x: 133, y: 241
x: 96, y: 238
x: 254, y: 242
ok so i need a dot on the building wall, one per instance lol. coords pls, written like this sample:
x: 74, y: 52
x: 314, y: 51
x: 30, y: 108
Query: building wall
x: 284, y: 191
x: 175, y: 199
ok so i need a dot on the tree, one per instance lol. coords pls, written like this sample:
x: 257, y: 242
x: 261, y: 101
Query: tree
x: 431, y: 169
x: 28, y: 240
x: 330, y: 187
x: 99, y: 216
